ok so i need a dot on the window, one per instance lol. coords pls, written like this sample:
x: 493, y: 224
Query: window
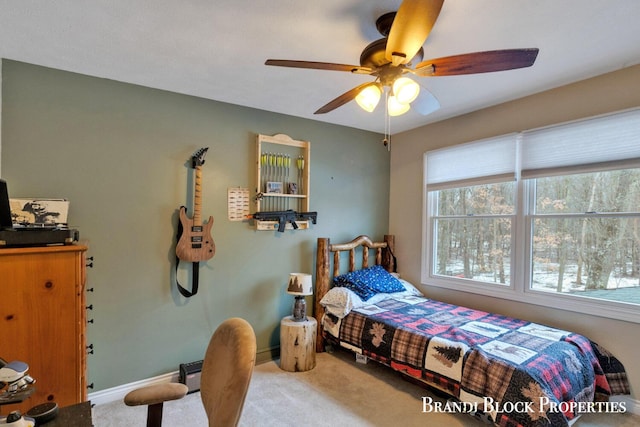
x: 586, y: 235
x: 548, y: 216
x: 473, y: 232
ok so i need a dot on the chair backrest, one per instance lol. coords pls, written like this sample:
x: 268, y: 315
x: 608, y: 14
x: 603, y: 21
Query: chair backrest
x: 226, y: 372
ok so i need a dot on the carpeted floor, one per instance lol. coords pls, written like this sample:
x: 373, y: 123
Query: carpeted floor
x: 338, y: 392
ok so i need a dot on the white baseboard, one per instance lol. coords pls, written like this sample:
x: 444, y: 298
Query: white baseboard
x: 119, y: 392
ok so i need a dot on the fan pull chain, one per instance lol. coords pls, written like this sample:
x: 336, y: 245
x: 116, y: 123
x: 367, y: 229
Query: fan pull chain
x: 387, y: 123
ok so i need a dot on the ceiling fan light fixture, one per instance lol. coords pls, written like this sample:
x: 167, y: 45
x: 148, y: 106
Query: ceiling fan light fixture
x: 369, y: 97
x: 395, y: 108
x: 405, y: 90
x: 399, y: 52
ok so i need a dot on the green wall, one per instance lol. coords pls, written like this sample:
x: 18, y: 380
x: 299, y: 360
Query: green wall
x: 119, y: 153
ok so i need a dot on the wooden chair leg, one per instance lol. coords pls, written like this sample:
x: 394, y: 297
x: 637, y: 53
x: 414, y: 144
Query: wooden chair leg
x: 154, y: 415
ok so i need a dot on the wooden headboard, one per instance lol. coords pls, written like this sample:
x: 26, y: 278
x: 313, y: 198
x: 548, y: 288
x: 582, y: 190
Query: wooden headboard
x: 327, y: 251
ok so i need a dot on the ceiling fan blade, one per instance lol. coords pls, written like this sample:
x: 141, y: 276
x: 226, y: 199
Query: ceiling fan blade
x: 411, y: 27
x: 478, y: 62
x: 342, y: 99
x: 318, y: 66
x: 426, y: 103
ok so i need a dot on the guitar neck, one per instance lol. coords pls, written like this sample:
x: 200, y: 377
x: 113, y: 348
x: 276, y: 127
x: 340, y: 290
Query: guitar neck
x: 197, y: 198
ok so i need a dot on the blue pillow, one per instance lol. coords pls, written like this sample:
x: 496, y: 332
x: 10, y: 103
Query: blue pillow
x: 369, y: 282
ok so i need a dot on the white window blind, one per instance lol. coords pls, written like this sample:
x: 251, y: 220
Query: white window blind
x: 483, y: 161
x: 607, y: 142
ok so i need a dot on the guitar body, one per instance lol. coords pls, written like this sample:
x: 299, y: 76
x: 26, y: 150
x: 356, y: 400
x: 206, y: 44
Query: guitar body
x: 196, y: 243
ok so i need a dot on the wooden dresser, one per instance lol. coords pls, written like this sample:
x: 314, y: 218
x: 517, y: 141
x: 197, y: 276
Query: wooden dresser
x: 43, y: 320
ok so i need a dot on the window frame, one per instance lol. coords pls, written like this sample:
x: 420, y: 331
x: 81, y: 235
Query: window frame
x: 428, y: 276
x: 433, y: 225
x: 519, y: 289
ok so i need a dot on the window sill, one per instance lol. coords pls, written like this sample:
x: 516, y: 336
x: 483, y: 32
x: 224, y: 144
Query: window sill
x: 601, y: 308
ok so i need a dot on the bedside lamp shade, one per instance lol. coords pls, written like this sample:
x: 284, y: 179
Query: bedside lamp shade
x: 300, y: 285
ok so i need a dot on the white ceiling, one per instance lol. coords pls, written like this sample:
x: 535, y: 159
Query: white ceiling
x: 216, y: 49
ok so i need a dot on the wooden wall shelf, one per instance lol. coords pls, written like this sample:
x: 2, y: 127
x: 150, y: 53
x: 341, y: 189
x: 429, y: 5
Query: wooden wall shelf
x: 282, y: 178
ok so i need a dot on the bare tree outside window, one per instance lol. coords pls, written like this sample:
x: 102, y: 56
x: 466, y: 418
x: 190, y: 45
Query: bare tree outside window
x: 473, y: 229
x: 586, y: 234
x: 584, y: 228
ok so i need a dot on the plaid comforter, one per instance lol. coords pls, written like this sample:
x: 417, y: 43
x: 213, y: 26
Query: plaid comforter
x: 517, y: 372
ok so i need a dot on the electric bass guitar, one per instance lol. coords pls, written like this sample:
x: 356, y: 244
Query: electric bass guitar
x: 195, y: 243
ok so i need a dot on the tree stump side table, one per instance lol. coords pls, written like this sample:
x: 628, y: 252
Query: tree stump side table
x: 298, y: 344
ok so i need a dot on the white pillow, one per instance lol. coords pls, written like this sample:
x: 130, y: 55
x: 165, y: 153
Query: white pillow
x: 340, y: 301
x: 410, y: 289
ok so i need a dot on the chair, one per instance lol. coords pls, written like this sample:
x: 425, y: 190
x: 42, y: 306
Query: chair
x: 224, y: 380
x: 226, y: 372
x: 154, y: 397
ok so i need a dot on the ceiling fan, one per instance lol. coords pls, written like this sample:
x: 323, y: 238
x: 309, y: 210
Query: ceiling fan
x: 389, y: 60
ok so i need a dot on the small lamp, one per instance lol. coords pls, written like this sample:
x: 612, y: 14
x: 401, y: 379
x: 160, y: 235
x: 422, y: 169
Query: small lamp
x: 299, y: 285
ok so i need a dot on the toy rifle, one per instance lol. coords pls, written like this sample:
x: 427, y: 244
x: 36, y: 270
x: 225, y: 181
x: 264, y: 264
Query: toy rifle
x: 285, y: 216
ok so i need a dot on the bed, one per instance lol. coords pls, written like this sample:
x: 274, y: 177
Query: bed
x: 507, y: 371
